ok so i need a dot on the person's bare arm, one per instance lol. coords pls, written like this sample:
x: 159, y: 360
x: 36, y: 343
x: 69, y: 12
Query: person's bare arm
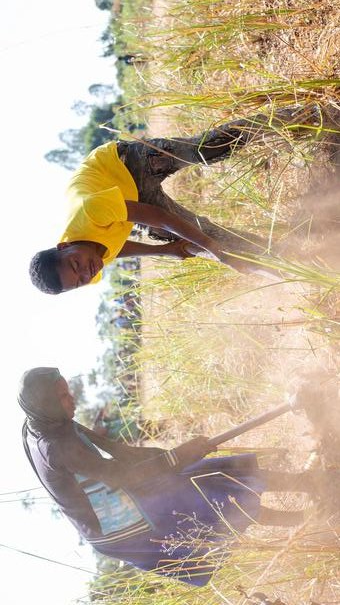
x: 175, y: 249
x: 154, y: 216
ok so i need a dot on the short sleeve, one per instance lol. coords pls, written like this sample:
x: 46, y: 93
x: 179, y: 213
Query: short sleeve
x: 97, y: 278
x: 105, y: 207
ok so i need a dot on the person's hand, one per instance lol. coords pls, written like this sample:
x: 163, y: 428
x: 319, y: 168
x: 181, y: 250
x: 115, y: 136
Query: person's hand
x: 224, y: 257
x: 239, y: 264
x: 181, y: 248
x: 186, y: 249
x: 193, y: 450
x: 192, y: 250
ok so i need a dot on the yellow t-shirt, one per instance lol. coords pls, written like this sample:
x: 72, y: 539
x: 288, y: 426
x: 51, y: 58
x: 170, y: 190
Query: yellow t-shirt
x: 97, y: 194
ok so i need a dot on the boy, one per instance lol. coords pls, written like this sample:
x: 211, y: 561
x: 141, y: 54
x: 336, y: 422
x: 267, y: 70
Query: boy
x: 104, y: 192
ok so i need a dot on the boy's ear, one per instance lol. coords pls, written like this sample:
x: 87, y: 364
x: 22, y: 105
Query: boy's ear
x: 63, y: 245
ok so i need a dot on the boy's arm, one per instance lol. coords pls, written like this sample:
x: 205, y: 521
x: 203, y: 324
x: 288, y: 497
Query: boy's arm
x: 154, y: 216
x: 175, y: 249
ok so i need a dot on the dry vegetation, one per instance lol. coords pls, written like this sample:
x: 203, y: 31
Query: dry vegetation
x: 219, y: 347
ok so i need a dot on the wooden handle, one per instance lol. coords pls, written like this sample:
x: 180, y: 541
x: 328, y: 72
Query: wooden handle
x: 251, y: 424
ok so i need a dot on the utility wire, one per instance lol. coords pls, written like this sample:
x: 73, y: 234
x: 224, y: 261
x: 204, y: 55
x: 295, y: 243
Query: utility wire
x: 30, y: 499
x: 20, y: 491
x: 30, y: 554
x: 48, y: 36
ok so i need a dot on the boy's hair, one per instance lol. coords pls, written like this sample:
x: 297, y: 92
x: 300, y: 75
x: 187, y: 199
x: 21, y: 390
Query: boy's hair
x: 43, y: 271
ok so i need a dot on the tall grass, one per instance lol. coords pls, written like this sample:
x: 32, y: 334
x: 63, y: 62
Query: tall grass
x: 217, y: 347
x: 244, y: 569
x: 236, y: 56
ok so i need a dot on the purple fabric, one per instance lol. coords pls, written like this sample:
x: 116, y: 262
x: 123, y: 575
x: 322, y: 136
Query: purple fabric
x: 200, y: 504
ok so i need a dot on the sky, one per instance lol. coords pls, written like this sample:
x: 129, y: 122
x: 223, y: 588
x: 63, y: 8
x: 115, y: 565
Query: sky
x: 49, y: 56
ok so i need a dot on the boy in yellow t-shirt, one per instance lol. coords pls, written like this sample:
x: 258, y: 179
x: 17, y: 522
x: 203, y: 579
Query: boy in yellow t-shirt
x: 104, y: 192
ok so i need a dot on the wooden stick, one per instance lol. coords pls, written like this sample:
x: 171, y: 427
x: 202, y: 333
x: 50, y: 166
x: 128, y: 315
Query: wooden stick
x: 251, y: 424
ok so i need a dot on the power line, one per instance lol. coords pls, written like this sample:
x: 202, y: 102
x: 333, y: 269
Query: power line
x: 31, y: 500
x: 48, y: 36
x: 30, y: 554
x: 20, y: 491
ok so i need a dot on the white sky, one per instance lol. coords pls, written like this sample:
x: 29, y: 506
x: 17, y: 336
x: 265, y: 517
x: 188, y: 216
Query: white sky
x: 49, y: 56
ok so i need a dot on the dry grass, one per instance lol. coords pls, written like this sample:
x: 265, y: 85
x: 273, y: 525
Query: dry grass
x: 219, y: 347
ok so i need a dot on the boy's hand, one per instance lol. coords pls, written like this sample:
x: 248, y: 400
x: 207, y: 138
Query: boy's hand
x: 181, y: 248
x: 193, y: 450
x: 191, y: 250
x: 239, y: 264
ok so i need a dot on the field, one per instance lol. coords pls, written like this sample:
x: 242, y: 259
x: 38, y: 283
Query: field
x: 219, y: 347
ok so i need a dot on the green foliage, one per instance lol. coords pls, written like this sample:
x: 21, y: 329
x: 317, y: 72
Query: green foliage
x: 108, y: 41
x: 73, y: 152
x: 118, y: 38
x: 126, y: 26
x: 101, y: 91
x: 104, y: 4
x: 98, y: 130
x: 79, y: 142
x: 94, y: 135
x: 114, y: 377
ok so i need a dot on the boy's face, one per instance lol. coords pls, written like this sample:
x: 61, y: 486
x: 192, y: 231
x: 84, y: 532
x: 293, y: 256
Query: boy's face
x: 77, y: 265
